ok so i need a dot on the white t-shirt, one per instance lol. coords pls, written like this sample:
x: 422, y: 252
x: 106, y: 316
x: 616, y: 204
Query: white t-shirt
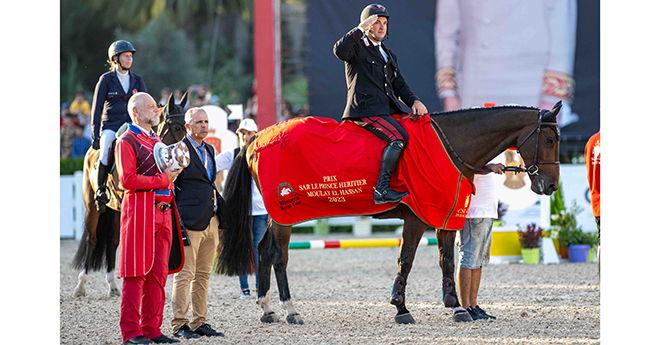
x: 484, y: 202
x: 224, y: 161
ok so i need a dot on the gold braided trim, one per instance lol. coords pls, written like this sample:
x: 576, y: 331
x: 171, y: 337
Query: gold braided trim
x: 558, y: 85
x: 445, y: 78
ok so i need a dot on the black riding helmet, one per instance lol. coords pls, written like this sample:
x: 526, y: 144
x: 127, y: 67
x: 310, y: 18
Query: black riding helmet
x: 119, y: 47
x: 377, y: 9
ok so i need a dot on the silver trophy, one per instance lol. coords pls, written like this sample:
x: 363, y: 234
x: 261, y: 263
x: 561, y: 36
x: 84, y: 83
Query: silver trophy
x: 177, y: 154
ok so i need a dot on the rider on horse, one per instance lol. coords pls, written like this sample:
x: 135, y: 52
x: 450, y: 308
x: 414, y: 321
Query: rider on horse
x: 109, y: 107
x: 376, y: 89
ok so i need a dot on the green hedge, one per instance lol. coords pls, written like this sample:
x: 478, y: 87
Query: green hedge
x: 70, y: 165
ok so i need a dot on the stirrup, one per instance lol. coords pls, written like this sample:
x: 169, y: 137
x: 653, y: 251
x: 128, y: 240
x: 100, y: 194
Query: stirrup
x: 388, y: 196
x: 101, y: 199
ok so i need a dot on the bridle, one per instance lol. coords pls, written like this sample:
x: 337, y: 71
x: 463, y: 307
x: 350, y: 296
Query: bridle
x: 168, y: 120
x: 537, y: 131
x: 531, y: 169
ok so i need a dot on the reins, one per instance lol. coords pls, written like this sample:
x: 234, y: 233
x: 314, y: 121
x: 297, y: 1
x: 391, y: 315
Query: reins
x: 531, y: 169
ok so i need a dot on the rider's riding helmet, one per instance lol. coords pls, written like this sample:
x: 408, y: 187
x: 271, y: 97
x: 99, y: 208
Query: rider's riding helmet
x: 119, y: 47
x: 377, y: 9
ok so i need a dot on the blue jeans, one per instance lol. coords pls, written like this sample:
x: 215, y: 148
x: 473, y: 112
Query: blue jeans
x: 259, y: 226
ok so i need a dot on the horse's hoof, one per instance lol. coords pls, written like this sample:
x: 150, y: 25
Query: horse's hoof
x: 450, y: 301
x: 405, y: 319
x: 462, y: 316
x: 79, y: 290
x: 294, y: 319
x: 114, y: 292
x: 269, y: 317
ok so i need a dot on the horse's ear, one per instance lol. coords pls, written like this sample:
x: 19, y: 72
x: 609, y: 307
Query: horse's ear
x: 170, y: 104
x: 183, y: 100
x: 556, y: 108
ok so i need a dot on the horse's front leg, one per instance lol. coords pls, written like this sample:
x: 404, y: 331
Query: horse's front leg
x: 282, y: 235
x: 413, y: 230
x: 446, y: 255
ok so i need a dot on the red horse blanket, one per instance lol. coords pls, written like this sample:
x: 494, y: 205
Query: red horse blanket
x: 314, y: 167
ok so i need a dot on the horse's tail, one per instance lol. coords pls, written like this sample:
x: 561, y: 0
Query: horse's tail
x: 237, y: 255
x: 102, y: 246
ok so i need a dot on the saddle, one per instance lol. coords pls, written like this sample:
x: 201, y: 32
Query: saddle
x: 115, y: 192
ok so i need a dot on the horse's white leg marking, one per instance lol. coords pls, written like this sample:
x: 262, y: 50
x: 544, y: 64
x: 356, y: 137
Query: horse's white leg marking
x: 79, y: 290
x: 264, y: 303
x: 112, y: 283
x: 288, y: 306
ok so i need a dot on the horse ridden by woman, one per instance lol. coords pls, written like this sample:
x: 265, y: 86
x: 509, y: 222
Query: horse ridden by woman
x: 468, y: 139
x: 100, y: 239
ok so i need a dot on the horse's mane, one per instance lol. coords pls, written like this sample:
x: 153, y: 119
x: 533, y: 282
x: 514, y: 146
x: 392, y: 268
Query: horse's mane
x: 480, y: 109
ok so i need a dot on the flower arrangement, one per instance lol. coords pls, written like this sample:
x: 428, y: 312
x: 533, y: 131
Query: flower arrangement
x: 531, y: 236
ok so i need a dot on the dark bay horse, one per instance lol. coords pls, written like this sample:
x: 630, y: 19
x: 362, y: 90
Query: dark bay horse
x: 472, y: 138
x: 100, y: 239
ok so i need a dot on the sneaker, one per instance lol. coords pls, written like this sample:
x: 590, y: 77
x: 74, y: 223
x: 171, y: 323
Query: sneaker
x: 245, y: 294
x: 206, y: 330
x: 482, y: 312
x: 186, y: 332
x: 475, y: 315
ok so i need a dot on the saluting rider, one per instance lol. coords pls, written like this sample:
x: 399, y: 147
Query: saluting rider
x: 376, y: 91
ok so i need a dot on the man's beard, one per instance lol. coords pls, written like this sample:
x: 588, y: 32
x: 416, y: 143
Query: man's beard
x: 153, y: 121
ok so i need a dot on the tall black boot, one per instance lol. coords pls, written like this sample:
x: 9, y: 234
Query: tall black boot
x: 101, y: 195
x: 382, y: 192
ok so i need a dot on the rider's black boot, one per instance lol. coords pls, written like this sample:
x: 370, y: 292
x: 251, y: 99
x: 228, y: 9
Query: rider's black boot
x: 382, y: 192
x: 101, y: 195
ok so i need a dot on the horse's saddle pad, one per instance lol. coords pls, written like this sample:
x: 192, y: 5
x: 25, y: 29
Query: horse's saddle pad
x: 314, y: 167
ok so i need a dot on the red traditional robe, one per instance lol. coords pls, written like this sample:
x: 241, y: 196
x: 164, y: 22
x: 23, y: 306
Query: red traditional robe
x: 144, y: 186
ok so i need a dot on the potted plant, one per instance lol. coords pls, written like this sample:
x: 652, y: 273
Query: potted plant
x: 564, y: 221
x: 530, y: 242
x: 592, y: 240
x: 578, y: 242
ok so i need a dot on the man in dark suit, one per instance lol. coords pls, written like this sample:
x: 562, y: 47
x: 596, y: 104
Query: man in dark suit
x: 377, y: 90
x: 198, y: 202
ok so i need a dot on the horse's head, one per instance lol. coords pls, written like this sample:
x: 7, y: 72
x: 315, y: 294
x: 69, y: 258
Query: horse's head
x: 171, y: 128
x: 539, y: 148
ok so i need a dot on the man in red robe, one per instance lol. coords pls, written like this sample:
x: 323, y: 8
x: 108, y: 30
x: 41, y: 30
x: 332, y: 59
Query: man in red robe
x: 146, y: 226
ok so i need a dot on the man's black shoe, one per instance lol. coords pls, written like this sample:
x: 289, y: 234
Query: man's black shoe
x: 186, y: 332
x: 475, y: 315
x: 482, y: 312
x: 206, y: 330
x: 162, y: 339
x: 138, y: 340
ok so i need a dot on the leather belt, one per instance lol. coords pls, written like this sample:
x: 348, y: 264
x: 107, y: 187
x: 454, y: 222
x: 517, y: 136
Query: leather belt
x: 163, y: 206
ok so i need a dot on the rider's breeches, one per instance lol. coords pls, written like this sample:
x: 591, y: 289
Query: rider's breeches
x: 107, y: 136
x: 384, y: 127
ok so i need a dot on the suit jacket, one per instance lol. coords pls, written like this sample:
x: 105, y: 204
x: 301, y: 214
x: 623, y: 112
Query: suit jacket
x: 375, y: 88
x: 144, y: 185
x: 195, y: 192
x: 110, y: 104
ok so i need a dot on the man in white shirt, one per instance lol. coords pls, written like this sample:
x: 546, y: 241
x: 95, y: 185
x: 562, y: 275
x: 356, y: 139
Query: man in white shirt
x: 475, y: 239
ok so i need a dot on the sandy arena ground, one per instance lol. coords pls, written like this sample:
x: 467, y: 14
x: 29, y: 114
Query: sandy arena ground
x: 343, y: 294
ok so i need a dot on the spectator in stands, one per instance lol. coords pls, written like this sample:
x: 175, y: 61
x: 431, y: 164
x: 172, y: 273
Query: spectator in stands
x: 80, y: 144
x: 66, y: 136
x: 81, y: 109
